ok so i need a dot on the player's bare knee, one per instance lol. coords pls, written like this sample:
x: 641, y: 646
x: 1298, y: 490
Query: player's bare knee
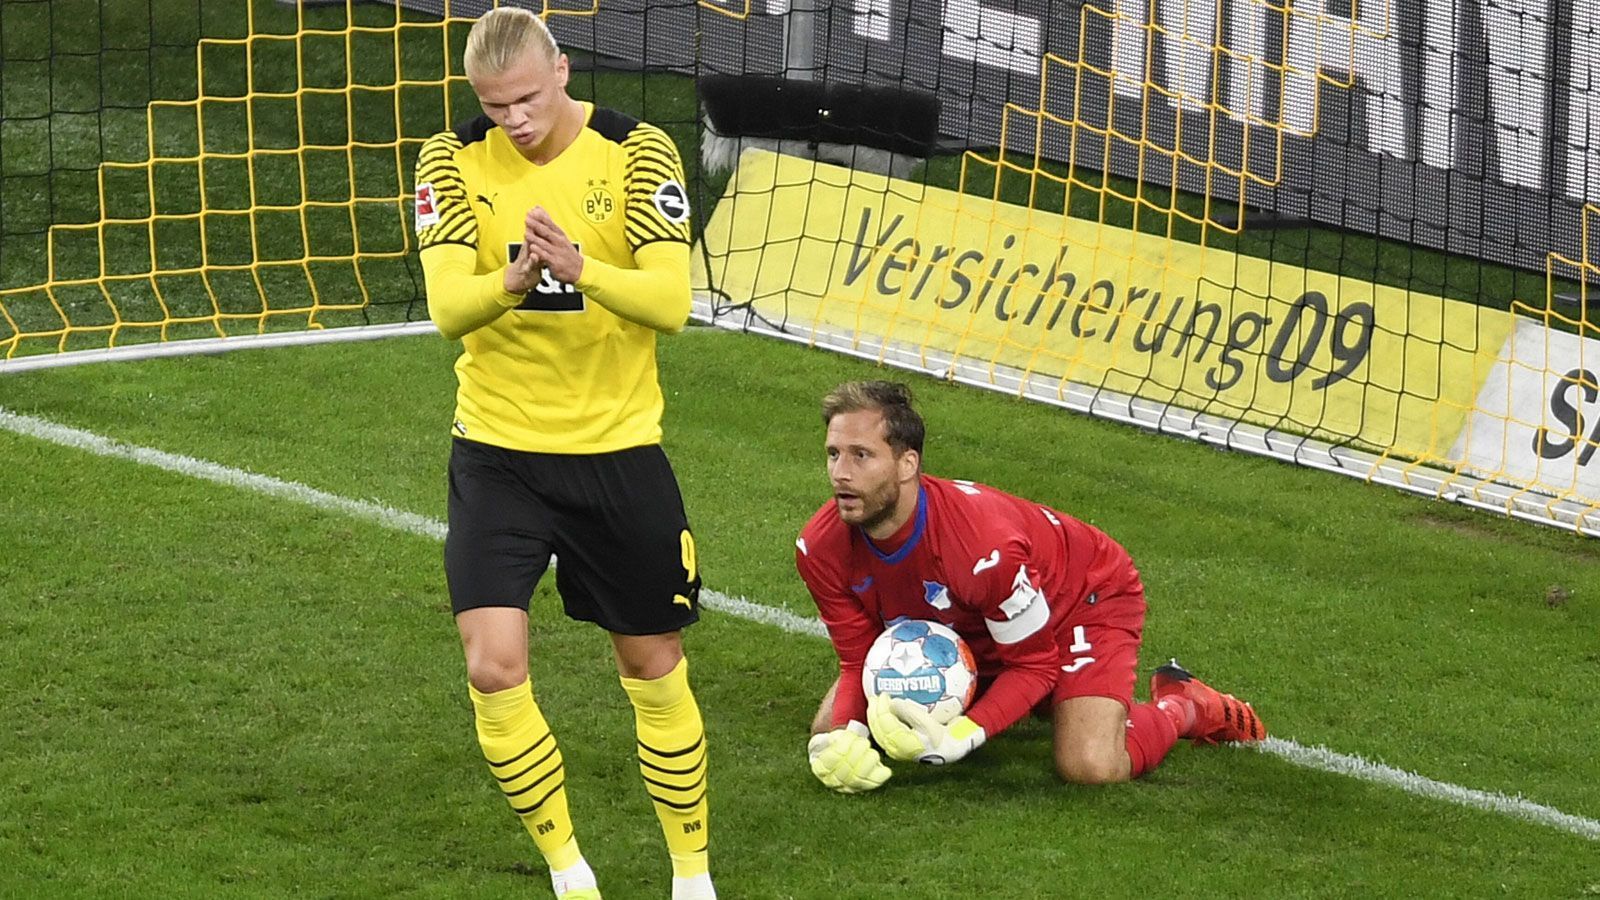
x: 1082, y: 766
x: 647, y: 657
x: 489, y: 673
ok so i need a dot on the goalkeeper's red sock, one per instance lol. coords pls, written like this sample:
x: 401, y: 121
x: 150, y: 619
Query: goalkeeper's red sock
x: 1152, y: 731
x: 1180, y: 709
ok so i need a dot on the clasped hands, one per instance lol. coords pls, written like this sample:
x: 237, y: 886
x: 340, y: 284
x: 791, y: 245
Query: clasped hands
x: 545, y: 247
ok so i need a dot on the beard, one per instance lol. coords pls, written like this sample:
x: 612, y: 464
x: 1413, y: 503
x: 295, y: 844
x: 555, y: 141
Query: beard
x: 875, y: 508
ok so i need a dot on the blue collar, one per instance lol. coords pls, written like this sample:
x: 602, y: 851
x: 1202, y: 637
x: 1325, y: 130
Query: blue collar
x: 920, y: 523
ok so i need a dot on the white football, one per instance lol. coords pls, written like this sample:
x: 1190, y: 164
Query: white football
x: 925, y: 662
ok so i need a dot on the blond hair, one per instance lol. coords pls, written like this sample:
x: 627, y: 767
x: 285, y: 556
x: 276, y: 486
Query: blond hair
x: 501, y: 36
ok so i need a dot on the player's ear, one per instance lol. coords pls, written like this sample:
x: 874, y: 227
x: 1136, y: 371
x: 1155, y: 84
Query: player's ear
x: 563, y: 70
x: 910, y: 463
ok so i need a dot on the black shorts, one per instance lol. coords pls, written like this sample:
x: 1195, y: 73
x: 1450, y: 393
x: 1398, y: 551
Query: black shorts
x: 615, y: 522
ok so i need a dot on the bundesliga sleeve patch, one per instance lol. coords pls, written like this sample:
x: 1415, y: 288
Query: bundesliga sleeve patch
x: 426, y: 206
x: 672, y: 202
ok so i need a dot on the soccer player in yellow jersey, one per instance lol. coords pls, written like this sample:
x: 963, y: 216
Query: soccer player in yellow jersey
x: 554, y: 240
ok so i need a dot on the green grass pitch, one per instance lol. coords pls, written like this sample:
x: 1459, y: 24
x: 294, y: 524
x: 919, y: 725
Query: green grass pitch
x: 210, y: 692
x: 216, y: 693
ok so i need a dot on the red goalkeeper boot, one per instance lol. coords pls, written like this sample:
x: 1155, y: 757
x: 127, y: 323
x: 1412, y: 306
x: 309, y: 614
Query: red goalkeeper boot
x: 1217, y: 716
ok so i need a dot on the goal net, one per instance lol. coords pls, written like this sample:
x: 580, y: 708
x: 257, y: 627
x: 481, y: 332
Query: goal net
x: 1350, y: 235
x: 179, y: 176
x: 1356, y: 234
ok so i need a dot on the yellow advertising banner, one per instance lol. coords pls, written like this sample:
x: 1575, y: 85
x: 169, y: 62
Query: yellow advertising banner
x: 815, y: 246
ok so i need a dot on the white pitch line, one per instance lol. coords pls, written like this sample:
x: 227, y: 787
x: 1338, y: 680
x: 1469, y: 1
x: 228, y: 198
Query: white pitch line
x: 1319, y: 758
x: 79, y: 439
x: 1354, y: 766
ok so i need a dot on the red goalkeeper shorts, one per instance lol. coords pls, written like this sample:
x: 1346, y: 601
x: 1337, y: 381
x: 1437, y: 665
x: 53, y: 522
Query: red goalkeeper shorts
x: 1100, y: 638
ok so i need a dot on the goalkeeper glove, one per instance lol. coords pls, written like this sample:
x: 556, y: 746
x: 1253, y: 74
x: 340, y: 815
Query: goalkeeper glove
x: 906, y: 731
x: 843, y: 759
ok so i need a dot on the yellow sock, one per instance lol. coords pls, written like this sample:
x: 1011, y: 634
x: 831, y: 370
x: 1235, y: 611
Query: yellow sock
x: 672, y: 759
x: 524, y: 759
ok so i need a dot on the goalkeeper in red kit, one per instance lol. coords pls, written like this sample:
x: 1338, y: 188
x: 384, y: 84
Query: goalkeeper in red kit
x: 1053, y: 609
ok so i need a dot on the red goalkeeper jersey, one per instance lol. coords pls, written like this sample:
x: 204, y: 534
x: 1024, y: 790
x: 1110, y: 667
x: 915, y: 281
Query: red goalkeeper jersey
x: 1002, y: 571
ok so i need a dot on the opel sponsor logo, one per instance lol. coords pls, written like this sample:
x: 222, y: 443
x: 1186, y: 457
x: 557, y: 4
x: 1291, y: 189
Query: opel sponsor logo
x: 672, y: 202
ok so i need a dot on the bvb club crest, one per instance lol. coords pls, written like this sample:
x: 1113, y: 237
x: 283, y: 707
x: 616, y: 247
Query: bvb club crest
x: 598, y: 204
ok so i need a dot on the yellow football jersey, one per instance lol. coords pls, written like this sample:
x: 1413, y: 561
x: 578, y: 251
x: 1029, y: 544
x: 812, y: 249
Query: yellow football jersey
x: 558, y: 373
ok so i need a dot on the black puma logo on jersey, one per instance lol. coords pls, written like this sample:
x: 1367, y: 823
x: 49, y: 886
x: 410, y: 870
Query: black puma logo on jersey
x: 486, y: 202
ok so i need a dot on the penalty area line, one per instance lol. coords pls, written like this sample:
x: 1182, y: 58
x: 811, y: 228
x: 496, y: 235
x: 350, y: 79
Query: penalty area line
x: 1315, y: 757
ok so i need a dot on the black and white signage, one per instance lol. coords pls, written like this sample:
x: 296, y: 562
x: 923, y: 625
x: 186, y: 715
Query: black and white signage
x: 1537, y: 419
x: 1465, y: 125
